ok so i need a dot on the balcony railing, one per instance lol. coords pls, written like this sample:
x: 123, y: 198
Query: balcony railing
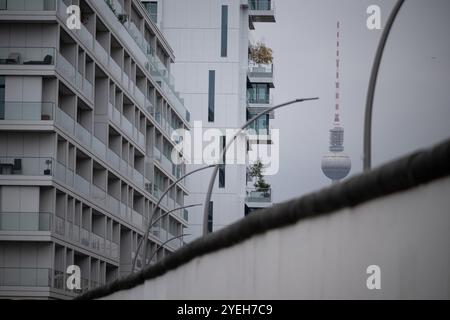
x: 260, y: 70
x: 259, y: 195
x: 259, y: 99
x: 26, y: 111
x: 26, y: 166
x: 27, y: 56
x: 25, y: 221
x: 25, y: 277
x: 28, y: 5
x: 69, y: 72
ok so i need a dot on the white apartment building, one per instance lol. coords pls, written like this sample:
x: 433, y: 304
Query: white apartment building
x: 222, y: 88
x: 85, y: 121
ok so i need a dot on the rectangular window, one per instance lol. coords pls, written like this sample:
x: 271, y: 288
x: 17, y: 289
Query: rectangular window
x: 224, y: 33
x: 152, y: 8
x: 2, y: 98
x: 211, y: 95
x: 210, y: 216
x: 222, y: 166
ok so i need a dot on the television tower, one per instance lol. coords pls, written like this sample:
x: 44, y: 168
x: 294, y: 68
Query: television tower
x: 336, y: 164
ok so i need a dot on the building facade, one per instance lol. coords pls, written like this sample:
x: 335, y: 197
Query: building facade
x: 86, y: 111
x: 223, y: 88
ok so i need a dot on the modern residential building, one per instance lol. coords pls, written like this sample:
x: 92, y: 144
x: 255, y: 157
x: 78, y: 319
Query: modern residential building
x: 86, y: 115
x: 222, y: 87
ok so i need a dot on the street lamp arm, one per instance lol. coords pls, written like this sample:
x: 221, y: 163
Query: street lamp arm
x: 147, y: 231
x: 367, y: 148
x: 216, y: 166
x: 164, y: 243
x: 153, y: 223
x: 179, y: 208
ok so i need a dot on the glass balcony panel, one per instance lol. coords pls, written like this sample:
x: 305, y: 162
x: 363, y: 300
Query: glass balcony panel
x: 115, y: 70
x: 26, y: 111
x: 66, y: 69
x: 98, y: 194
x: 88, y: 89
x: 85, y: 236
x: 59, y: 225
x: 25, y: 221
x: 27, y: 56
x: 25, y: 166
x: 65, y: 122
x: 113, y: 205
x: 82, y: 185
x: 259, y: 195
x: 101, y: 53
x: 25, y: 277
x: 28, y: 5
x: 83, y: 135
x: 86, y: 37
x: 99, y: 148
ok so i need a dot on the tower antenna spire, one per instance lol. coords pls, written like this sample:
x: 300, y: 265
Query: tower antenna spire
x: 337, y: 119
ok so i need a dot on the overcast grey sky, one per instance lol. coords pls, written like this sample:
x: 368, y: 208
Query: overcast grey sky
x: 412, y: 102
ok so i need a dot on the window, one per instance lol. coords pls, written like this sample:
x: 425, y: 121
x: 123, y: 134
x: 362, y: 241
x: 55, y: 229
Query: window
x: 152, y: 8
x: 224, y: 32
x: 2, y: 98
x: 222, y: 166
x: 258, y: 93
x: 211, y: 95
x: 210, y: 216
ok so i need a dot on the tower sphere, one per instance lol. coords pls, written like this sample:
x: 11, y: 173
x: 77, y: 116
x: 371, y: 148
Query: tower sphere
x: 336, y: 165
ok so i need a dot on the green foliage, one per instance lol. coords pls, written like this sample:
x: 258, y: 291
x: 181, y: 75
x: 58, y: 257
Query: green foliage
x: 256, y: 171
x: 261, y: 54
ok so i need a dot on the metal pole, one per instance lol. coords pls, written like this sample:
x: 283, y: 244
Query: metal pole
x: 367, y: 157
x: 164, y: 243
x: 147, y: 231
x: 216, y: 166
x: 153, y: 223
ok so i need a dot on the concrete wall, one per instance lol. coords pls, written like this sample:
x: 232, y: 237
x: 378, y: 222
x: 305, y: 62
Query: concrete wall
x: 406, y: 234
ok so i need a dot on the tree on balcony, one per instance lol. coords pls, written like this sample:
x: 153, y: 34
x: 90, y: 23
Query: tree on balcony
x: 256, y: 172
x: 261, y: 54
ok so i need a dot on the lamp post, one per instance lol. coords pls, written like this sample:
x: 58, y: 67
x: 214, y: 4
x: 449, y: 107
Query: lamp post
x: 367, y: 157
x: 216, y: 166
x: 147, y: 231
x: 152, y: 224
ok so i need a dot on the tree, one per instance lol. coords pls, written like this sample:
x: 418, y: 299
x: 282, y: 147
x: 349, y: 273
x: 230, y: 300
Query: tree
x: 256, y: 171
x: 261, y: 54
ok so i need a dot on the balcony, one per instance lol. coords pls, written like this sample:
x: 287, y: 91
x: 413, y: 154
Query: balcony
x: 261, y: 11
x: 261, y: 73
x: 25, y: 277
x: 68, y: 71
x: 30, y: 56
x: 26, y: 111
x: 25, y: 221
x: 26, y: 166
x: 28, y: 5
x: 259, y: 195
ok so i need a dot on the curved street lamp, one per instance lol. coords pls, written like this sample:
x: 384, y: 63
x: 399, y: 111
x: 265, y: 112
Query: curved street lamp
x: 164, y: 243
x: 367, y: 157
x: 216, y: 166
x: 147, y: 231
x: 151, y: 224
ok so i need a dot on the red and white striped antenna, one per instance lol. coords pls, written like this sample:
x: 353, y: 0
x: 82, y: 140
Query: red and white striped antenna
x: 337, y: 119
